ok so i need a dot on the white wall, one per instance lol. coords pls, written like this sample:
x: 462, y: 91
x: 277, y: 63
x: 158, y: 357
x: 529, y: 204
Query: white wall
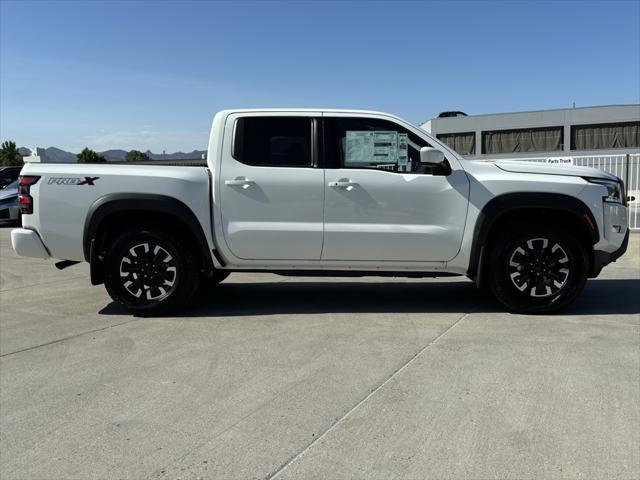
x: 541, y: 118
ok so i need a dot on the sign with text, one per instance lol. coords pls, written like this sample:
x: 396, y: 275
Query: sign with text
x: 559, y: 160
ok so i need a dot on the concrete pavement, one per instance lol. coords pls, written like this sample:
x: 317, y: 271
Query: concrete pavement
x: 285, y: 377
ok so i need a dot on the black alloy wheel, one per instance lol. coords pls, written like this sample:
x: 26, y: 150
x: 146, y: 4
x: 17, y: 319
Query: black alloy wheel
x: 148, y: 270
x: 537, y: 269
x: 151, y: 272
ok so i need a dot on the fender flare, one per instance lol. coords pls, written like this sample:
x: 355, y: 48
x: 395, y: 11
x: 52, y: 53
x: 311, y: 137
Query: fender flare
x: 112, y: 203
x: 503, y: 204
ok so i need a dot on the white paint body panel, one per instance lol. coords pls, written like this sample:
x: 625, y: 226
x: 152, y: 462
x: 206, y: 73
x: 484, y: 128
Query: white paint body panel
x: 552, y: 169
x: 394, y: 217
x: 277, y: 214
x: 60, y: 211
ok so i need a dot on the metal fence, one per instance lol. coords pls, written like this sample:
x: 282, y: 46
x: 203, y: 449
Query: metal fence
x: 625, y: 166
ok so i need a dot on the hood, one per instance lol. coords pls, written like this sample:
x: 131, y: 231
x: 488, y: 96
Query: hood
x: 551, y: 169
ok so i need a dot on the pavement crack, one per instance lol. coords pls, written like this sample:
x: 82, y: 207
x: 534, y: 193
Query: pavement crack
x: 336, y: 423
x: 52, y: 342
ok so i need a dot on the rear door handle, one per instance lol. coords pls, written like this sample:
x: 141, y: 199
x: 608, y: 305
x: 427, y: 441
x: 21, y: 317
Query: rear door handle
x: 348, y: 184
x: 240, y: 182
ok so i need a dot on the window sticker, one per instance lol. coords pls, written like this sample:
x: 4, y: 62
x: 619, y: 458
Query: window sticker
x: 403, y: 153
x: 374, y: 148
x: 358, y: 148
x: 385, y: 147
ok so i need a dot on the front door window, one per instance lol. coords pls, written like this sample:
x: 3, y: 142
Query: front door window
x: 376, y: 144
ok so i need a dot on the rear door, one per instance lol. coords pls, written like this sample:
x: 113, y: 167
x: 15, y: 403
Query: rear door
x: 381, y: 204
x: 271, y: 189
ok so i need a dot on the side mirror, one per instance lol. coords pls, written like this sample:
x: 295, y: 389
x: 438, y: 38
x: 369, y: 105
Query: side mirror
x: 431, y: 156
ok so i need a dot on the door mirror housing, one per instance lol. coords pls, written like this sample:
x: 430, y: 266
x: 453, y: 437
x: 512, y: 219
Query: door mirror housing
x: 431, y: 156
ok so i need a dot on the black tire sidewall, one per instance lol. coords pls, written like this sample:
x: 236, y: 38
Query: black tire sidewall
x: 186, y: 272
x: 507, y: 293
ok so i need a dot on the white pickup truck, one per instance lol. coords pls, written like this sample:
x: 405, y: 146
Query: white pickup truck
x: 326, y: 193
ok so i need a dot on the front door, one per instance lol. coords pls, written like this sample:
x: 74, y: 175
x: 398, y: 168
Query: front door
x: 381, y: 204
x: 271, y: 193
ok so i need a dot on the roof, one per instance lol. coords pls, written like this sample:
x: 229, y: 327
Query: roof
x: 551, y: 110
x: 331, y: 110
x: 229, y: 111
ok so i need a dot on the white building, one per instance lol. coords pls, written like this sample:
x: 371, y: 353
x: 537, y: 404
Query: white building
x: 585, y: 131
x: 606, y: 137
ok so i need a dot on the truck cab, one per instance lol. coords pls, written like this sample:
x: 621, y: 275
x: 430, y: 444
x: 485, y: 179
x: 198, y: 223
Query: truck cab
x: 335, y: 190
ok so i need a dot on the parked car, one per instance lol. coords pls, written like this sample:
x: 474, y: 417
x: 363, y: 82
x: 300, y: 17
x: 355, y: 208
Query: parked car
x: 9, y: 208
x: 8, y: 175
x: 333, y: 192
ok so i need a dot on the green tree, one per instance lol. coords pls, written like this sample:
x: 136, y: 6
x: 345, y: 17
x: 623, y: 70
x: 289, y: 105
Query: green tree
x: 89, y: 156
x: 136, y: 156
x: 9, y: 154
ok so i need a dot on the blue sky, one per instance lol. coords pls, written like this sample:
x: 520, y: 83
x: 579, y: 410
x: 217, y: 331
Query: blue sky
x: 150, y: 75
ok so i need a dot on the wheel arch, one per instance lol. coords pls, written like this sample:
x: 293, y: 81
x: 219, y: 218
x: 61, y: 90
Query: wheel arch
x: 523, y: 207
x: 116, y: 209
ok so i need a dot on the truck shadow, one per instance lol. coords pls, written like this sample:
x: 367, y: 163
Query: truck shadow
x: 600, y: 296
x: 606, y: 297
x: 297, y: 297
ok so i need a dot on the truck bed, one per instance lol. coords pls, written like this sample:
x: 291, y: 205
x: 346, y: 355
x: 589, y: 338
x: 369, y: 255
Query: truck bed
x: 62, y: 205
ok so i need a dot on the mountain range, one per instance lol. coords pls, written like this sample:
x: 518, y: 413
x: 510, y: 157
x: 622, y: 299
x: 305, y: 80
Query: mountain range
x: 57, y: 155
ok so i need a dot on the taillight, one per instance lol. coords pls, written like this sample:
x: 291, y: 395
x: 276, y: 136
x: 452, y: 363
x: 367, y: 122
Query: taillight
x: 25, y: 200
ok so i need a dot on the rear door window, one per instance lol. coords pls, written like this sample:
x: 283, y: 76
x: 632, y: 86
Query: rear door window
x: 273, y: 141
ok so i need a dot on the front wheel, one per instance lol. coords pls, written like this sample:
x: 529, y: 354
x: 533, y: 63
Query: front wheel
x: 150, y: 272
x: 538, y: 270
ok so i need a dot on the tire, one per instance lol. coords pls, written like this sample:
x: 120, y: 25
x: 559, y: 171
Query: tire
x: 217, y: 277
x: 150, y: 272
x: 537, y: 270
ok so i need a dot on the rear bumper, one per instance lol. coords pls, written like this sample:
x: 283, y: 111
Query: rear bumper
x: 601, y: 259
x: 27, y: 243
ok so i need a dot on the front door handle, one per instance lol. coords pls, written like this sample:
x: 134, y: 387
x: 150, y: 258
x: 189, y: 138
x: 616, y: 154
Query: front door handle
x: 243, y: 182
x: 343, y: 183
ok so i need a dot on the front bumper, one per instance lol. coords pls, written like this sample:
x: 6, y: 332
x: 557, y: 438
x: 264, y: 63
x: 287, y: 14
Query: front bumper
x: 601, y: 259
x: 27, y: 243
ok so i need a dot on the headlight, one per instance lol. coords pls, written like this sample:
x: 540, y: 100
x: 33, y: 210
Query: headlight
x: 614, y: 189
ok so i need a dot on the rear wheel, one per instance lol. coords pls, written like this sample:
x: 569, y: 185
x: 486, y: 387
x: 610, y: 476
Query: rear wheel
x: 150, y: 272
x: 538, y: 270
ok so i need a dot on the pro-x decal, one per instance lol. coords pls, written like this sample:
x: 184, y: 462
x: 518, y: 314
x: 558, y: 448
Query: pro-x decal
x: 73, y: 180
